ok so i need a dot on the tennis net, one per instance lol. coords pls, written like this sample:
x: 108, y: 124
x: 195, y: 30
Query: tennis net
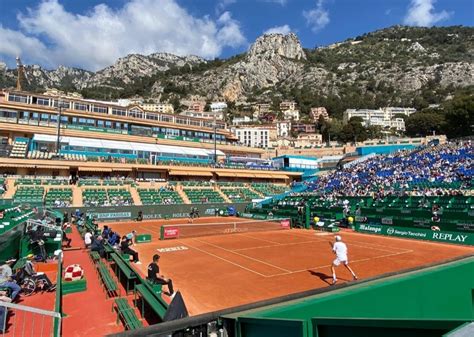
x: 233, y: 227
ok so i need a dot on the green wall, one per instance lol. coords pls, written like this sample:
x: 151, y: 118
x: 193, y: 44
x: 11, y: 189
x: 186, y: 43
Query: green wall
x: 153, y: 211
x: 442, y: 293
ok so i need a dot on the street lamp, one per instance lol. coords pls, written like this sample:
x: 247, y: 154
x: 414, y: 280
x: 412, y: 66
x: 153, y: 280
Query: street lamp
x: 215, y: 140
x: 60, y: 106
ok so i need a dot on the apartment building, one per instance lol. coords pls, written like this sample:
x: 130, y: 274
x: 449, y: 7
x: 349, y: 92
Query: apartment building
x: 383, y: 117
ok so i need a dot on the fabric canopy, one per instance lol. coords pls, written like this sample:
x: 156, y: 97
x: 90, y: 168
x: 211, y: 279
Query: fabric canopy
x: 128, y: 146
x: 191, y: 173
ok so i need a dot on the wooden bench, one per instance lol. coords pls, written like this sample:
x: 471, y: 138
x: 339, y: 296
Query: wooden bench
x: 156, y: 303
x: 123, y: 267
x: 107, y: 279
x: 127, y: 313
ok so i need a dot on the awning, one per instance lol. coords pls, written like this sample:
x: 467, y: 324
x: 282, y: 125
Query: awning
x: 270, y: 176
x: 122, y: 169
x: 245, y: 175
x: 95, y: 169
x: 227, y: 174
x: 190, y: 173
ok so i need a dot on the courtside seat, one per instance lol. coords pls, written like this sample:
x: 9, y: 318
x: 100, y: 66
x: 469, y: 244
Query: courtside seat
x: 63, y: 195
x: 203, y: 195
x: 159, y: 196
x: 29, y: 194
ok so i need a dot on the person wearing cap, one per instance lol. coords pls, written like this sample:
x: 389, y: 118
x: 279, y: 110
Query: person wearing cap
x: 6, y: 280
x: 155, y: 277
x: 340, y: 249
x: 29, y: 269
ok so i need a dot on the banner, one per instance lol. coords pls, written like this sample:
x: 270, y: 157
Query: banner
x: 417, y: 233
x: 170, y: 232
x: 285, y: 223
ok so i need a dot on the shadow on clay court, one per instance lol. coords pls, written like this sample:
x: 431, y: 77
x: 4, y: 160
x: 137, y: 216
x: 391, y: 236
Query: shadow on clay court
x: 324, y: 277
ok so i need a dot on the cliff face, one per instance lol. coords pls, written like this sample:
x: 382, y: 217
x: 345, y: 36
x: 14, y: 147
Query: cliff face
x: 397, y: 60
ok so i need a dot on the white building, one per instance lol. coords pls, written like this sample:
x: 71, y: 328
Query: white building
x: 383, y: 117
x: 219, y: 116
x: 241, y: 120
x: 316, y: 113
x: 283, y: 128
x: 288, y: 105
x: 291, y: 115
x: 158, y: 107
x: 218, y: 106
x: 254, y: 136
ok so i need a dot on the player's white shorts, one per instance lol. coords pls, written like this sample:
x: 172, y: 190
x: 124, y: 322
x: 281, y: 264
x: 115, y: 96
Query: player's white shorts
x: 340, y: 260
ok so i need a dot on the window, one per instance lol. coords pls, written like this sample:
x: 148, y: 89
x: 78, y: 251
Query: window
x: 100, y: 124
x: 135, y: 113
x: 100, y: 109
x: 119, y: 112
x: 42, y: 101
x: 17, y: 98
x: 81, y: 107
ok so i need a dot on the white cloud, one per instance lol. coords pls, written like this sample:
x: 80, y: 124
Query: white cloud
x: 285, y: 29
x: 317, y: 18
x: 230, y: 34
x: 279, y: 2
x: 421, y: 13
x: 223, y: 4
x: 51, y: 36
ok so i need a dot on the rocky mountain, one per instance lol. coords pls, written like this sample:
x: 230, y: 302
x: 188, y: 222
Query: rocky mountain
x: 124, y: 72
x: 394, y: 66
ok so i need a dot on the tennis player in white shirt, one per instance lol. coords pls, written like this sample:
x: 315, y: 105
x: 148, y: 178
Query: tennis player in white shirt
x: 340, y: 249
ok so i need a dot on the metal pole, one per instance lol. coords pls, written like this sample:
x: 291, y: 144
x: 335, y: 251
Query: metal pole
x: 215, y: 141
x: 60, y: 103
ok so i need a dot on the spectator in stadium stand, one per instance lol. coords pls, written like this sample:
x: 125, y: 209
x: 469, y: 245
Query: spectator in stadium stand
x: 106, y: 232
x: 396, y: 173
x: 125, y: 248
x: 155, y: 277
x: 6, y: 280
x: 29, y: 269
x: 435, y: 217
x: 97, y: 245
x: 3, y: 311
x: 114, y: 239
x: 88, y: 238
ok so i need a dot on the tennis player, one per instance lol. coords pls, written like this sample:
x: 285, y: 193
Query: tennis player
x: 340, y: 249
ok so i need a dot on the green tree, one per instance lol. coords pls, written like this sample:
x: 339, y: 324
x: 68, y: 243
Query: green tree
x: 459, y: 114
x: 424, y: 123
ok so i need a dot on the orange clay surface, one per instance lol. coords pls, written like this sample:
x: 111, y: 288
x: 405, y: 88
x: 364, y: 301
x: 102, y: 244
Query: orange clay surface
x: 222, y: 271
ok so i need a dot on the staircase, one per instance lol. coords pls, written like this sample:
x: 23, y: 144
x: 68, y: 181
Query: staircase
x: 10, y: 189
x: 137, y: 201
x: 76, y: 196
x: 253, y: 190
x: 183, y: 195
x: 222, y: 194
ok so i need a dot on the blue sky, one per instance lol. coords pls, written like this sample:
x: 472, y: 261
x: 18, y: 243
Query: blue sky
x: 92, y: 34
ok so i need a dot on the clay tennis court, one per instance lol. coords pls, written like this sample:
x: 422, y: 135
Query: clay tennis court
x: 222, y: 271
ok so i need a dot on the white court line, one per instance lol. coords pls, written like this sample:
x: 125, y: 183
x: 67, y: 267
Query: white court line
x: 245, y: 256
x: 223, y: 259
x: 365, y: 245
x: 287, y: 272
x: 219, y: 257
x: 253, y: 237
x: 278, y: 245
x: 351, y: 262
